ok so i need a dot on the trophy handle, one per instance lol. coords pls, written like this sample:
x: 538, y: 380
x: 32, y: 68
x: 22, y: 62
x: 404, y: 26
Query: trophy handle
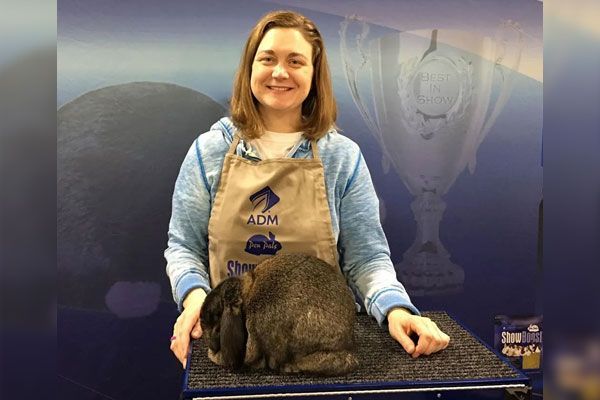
x: 352, y: 80
x: 508, y: 73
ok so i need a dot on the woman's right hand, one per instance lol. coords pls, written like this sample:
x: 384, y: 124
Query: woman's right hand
x: 187, y: 324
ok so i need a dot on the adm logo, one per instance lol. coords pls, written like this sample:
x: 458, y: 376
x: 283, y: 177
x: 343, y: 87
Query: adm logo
x: 266, y: 199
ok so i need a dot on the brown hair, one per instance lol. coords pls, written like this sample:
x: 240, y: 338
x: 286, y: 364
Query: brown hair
x: 319, y: 110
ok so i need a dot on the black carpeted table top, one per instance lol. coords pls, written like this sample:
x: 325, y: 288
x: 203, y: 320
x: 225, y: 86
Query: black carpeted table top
x: 382, y: 360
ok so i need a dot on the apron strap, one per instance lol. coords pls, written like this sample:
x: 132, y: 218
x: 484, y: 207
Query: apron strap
x: 315, y: 150
x: 234, y: 142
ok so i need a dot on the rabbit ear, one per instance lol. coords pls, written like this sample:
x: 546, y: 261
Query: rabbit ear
x: 210, y: 318
x: 233, y: 327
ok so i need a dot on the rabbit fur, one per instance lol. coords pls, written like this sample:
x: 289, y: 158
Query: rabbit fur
x: 293, y: 313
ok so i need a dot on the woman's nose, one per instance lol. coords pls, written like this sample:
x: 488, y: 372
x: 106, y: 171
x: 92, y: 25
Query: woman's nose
x: 280, y: 72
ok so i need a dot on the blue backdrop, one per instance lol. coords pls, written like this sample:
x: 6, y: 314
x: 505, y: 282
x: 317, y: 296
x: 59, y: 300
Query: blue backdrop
x: 139, y: 80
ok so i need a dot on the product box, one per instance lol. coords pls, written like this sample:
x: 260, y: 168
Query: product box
x: 519, y: 338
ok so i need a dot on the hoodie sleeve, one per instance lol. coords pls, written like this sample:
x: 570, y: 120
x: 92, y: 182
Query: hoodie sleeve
x: 187, y: 248
x: 364, y: 250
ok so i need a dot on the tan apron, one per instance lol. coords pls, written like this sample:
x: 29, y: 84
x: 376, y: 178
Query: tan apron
x: 269, y: 207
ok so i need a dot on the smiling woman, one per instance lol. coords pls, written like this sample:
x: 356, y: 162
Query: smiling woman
x: 281, y: 78
x: 280, y: 146
x: 284, y: 52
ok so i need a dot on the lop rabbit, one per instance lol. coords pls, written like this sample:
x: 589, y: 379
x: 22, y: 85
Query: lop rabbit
x: 293, y: 313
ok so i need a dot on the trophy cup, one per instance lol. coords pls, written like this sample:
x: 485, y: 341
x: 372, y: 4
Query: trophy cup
x: 430, y: 108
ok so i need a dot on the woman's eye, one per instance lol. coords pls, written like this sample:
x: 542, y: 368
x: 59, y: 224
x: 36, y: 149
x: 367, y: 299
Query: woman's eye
x: 296, y: 62
x: 265, y: 59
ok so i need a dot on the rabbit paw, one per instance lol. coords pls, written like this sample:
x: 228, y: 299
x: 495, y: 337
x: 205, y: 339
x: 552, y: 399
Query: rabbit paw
x: 290, y: 369
x: 258, y: 364
x: 215, y: 357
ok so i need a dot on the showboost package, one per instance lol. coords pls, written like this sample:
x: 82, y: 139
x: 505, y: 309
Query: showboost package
x: 520, y: 339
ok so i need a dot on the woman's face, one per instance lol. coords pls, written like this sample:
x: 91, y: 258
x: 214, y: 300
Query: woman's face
x: 282, y: 72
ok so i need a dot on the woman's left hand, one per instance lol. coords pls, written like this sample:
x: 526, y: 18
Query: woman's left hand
x: 401, y: 324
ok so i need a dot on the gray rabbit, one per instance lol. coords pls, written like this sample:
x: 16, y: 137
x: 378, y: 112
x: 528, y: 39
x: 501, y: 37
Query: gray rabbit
x: 293, y: 313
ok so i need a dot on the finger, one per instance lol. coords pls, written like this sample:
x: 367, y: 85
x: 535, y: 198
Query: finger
x: 197, y: 330
x: 436, y: 339
x: 176, y: 349
x: 446, y: 339
x: 174, y: 342
x: 423, y: 345
x: 401, y: 337
x: 175, y: 345
x: 441, y: 339
x: 189, y: 324
x: 184, y: 342
x: 421, y: 327
x: 179, y: 346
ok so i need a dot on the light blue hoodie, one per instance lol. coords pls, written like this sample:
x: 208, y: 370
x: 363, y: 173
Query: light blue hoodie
x: 353, y: 204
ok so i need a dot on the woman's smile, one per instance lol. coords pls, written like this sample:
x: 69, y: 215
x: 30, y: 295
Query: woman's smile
x: 279, y: 88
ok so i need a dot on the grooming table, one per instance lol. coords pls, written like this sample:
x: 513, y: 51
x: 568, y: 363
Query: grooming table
x: 466, y: 369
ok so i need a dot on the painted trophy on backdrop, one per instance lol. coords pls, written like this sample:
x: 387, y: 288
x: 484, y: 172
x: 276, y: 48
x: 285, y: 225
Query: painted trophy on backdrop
x: 427, y: 98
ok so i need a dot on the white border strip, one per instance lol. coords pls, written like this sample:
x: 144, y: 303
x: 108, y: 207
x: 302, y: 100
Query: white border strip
x: 358, y: 392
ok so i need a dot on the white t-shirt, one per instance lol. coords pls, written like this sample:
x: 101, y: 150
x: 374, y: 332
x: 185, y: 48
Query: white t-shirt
x: 275, y: 144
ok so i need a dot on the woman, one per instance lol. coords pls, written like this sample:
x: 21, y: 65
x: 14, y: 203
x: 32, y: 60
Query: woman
x: 277, y: 176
